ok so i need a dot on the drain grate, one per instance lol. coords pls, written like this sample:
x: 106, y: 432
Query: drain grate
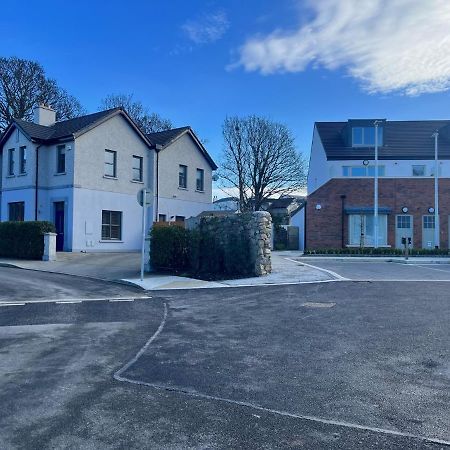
x: 318, y: 304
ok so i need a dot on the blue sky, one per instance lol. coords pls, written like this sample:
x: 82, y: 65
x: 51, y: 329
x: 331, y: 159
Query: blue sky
x: 196, y: 62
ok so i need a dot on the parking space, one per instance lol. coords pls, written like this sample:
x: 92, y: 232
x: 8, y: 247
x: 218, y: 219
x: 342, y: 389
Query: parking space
x: 353, y: 269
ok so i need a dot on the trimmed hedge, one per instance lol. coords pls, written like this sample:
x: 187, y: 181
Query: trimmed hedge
x: 377, y: 252
x: 23, y: 240
x: 216, y: 249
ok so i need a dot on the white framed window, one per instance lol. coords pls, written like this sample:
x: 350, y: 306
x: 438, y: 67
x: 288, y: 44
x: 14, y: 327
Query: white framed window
x: 418, y: 170
x: 429, y: 222
x: 200, y: 180
x: 23, y: 159
x: 365, y: 136
x: 361, y: 230
x: 362, y: 171
x: 110, y: 163
x: 138, y: 168
x: 111, y: 225
x: 11, y: 152
x: 182, y: 176
x: 61, y: 159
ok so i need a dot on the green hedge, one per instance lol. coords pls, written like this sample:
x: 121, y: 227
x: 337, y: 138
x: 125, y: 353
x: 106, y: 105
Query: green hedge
x: 378, y: 251
x: 23, y: 240
x: 216, y: 249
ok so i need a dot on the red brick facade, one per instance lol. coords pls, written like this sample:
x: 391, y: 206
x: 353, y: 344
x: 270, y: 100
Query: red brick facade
x: 324, y: 226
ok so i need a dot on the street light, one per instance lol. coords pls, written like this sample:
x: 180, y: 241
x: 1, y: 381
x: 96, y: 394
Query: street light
x: 436, y: 191
x: 375, y: 202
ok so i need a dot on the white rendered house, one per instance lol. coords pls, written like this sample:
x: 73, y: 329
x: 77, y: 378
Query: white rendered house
x: 84, y: 175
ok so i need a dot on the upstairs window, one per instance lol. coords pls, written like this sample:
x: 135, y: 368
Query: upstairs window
x: 365, y: 136
x: 182, y: 176
x: 362, y: 171
x: 137, y: 168
x: 61, y: 159
x: 23, y: 160
x: 200, y: 181
x: 11, y: 152
x: 110, y: 163
x: 418, y: 171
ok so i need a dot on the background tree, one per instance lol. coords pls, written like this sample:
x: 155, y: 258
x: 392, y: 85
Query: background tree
x: 23, y: 85
x: 260, y: 160
x: 149, y: 122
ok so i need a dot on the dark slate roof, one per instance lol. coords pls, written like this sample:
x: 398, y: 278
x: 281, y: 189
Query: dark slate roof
x: 163, y: 138
x: 64, y: 128
x: 401, y: 140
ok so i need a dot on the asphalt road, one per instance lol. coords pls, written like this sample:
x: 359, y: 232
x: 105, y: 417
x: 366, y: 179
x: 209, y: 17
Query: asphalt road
x: 30, y: 285
x: 336, y: 365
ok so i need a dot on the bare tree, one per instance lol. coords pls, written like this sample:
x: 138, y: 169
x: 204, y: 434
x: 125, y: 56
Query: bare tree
x: 149, y: 122
x: 23, y: 85
x: 260, y: 160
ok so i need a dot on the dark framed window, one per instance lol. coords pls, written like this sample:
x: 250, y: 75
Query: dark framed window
x: 16, y: 211
x: 111, y: 225
x: 179, y: 218
x: 23, y: 159
x: 11, y: 152
x: 418, y: 171
x: 138, y: 163
x: 162, y: 218
x: 182, y: 176
x: 60, y: 159
x: 110, y: 163
x: 200, y: 181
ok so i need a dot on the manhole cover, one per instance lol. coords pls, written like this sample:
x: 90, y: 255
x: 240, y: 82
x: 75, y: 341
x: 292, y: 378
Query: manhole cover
x: 318, y: 304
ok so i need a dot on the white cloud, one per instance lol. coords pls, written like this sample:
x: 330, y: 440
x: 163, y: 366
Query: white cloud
x: 387, y: 45
x: 209, y: 27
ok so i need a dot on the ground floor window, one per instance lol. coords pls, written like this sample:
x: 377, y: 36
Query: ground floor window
x: 162, y: 218
x: 111, y: 225
x: 16, y: 211
x: 179, y: 218
x: 361, y: 230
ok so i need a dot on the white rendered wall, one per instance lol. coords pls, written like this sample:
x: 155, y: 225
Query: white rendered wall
x: 87, y: 221
x: 395, y: 169
x: 317, y: 173
x: 298, y: 220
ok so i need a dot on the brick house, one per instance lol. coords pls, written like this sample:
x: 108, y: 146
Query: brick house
x: 340, y: 207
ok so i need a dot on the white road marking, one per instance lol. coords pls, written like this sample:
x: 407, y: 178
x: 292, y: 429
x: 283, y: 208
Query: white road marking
x: 425, y: 266
x: 12, y: 304
x: 78, y: 300
x: 118, y: 374
x: 67, y: 302
x: 329, y: 272
x: 113, y: 300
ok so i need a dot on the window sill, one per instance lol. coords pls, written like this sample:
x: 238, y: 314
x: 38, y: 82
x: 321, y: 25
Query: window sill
x: 110, y: 241
x: 200, y: 191
x: 58, y: 174
x: 137, y: 181
x: 182, y: 188
x: 109, y: 178
x: 22, y: 174
x: 10, y: 176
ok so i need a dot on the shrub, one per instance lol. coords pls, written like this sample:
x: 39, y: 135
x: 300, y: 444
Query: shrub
x: 23, y: 240
x: 382, y: 251
x: 169, y: 248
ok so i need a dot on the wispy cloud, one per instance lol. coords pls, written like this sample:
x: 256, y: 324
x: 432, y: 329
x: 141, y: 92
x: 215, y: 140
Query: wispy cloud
x: 206, y: 28
x: 387, y: 45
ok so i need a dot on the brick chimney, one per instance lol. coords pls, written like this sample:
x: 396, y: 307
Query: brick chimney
x: 44, y: 115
